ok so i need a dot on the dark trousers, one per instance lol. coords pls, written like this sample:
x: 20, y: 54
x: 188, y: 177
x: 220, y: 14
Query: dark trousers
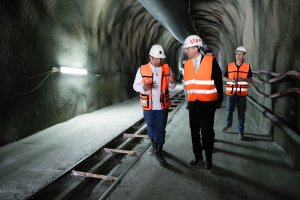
x: 202, y: 116
x: 240, y: 103
x: 156, y: 124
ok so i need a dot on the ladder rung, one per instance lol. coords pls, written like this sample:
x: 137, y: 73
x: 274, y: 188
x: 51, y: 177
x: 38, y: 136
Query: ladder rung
x: 92, y: 175
x: 134, y: 153
x: 135, y: 136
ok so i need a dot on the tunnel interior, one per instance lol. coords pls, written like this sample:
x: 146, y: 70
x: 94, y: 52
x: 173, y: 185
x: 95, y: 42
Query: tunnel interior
x: 111, y: 39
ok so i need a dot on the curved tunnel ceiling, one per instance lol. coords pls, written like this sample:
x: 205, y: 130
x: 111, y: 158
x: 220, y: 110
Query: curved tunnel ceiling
x: 173, y: 15
x: 260, y: 25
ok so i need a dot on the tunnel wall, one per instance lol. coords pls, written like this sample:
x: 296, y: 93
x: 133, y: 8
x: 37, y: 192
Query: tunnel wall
x: 273, y: 46
x: 270, y: 31
x: 111, y: 39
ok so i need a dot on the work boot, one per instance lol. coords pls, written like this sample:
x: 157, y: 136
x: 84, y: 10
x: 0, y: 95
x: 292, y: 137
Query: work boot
x: 159, y: 157
x: 208, y: 165
x: 226, y: 127
x: 241, y: 135
x: 195, y: 161
x: 152, y: 149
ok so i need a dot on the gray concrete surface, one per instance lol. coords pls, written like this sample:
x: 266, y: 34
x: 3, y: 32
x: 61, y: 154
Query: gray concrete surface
x: 31, y: 163
x: 255, y: 168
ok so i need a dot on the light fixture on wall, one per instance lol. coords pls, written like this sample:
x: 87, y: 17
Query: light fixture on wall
x: 70, y: 70
x: 73, y: 70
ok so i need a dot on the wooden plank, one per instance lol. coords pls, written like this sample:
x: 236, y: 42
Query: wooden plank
x: 135, y: 136
x: 133, y: 153
x: 92, y: 175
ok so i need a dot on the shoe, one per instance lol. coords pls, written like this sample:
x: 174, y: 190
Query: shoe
x: 151, y: 151
x: 161, y: 160
x: 241, y: 136
x: 208, y: 165
x: 226, y: 127
x: 153, y: 148
x: 159, y: 157
x: 195, y: 161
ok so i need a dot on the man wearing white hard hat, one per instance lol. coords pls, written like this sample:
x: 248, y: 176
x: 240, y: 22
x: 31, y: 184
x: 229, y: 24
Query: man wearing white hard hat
x: 204, y: 88
x: 237, y: 76
x: 153, y: 81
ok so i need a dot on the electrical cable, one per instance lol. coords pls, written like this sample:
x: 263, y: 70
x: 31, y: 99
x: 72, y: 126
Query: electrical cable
x: 278, y: 77
x: 277, y: 94
x: 24, y: 79
x: 29, y: 91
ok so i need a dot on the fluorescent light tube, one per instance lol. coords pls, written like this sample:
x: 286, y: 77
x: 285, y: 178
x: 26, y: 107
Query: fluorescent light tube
x: 70, y: 70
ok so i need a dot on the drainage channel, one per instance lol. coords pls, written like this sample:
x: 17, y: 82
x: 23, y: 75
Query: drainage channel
x: 96, y: 176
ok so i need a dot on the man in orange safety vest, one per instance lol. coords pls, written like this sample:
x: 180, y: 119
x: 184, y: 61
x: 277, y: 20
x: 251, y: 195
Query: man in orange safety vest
x: 237, y: 76
x: 153, y: 81
x: 204, y: 89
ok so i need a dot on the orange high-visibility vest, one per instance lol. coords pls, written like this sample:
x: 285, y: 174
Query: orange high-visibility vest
x: 200, y: 86
x: 241, y: 87
x: 147, y: 75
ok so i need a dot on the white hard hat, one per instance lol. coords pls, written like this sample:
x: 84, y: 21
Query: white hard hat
x: 241, y: 48
x: 157, y: 51
x: 192, y: 41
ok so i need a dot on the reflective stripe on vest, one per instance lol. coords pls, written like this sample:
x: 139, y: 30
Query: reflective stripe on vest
x: 202, y: 91
x: 199, y: 82
x: 241, y: 87
x: 146, y: 101
x: 147, y: 76
x: 200, y: 86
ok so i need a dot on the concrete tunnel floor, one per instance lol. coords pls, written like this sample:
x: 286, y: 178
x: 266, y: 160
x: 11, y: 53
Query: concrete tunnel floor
x: 255, y: 168
x: 29, y: 164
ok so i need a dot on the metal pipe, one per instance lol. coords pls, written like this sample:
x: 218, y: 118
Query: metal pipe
x: 276, y: 121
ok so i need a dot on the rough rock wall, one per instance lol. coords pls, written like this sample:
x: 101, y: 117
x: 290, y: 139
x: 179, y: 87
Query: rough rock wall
x: 269, y: 29
x: 108, y: 38
x: 271, y: 34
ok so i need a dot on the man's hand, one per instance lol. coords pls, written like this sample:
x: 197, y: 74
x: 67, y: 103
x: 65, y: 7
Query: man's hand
x: 239, y: 80
x: 242, y: 79
x: 171, y: 78
x: 147, y: 86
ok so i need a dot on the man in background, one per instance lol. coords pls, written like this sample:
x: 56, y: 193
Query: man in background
x: 237, y: 76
